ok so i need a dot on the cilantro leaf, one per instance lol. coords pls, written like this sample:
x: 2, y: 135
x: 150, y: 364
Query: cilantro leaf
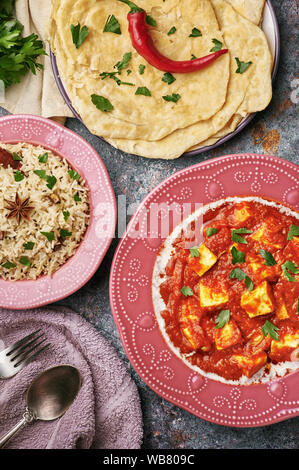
x: 268, y: 257
x: 8, y: 265
x: 242, y: 66
x: 66, y: 215
x: 112, y: 25
x: 74, y: 175
x: 25, y: 261
x: 293, y: 232
x: 217, y: 47
x: 168, y: 78
x: 16, y: 157
x: 18, y: 176
x: 223, y: 318
x: 41, y: 173
x: 237, y: 273
x: 51, y: 181
x: 195, y: 33
x: 237, y: 238
x: 28, y: 245
x: 141, y: 69
x: 77, y: 197
x: 123, y: 63
x: 143, y: 90
x: 174, y: 97
x: 65, y: 233
x: 49, y: 235
x: 43, y: 158
x: 211, y: 231
x: 79, y: 34
x: 269, y: 329
x: 237, y: 256
x: 187, y: 291
x: 292, y: 267
x: 102, y: 103
x: 171, y: 31
x: 194, y: 252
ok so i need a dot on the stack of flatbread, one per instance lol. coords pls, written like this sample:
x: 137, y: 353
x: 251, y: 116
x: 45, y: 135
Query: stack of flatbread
x: 212, y: 101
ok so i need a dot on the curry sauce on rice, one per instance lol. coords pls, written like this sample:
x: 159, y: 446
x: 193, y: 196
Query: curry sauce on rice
x: 44, y: 211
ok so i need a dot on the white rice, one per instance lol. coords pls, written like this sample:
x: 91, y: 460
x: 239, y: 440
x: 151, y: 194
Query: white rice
x: 46, y: 215
x: 263, y: 375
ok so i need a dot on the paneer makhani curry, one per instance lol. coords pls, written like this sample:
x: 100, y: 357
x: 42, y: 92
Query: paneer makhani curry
x: 231, y: 304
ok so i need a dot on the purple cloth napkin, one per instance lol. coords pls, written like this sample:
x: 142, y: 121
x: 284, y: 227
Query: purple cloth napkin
x: 106, y: 413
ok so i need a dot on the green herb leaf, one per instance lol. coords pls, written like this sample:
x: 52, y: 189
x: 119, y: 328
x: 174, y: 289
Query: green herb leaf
x: 171, y: 31
x: 271, y: 330
x: 237, y: 238
x: 268, y: 257
x: 112, y: 25
x: 293, y: 232
x: 223, y: 318
x: 187, y: 291
x: 16, y: 157
x: 142, y: 90
x: 65, y: 233
x: 77, y: 197
x: 174, y: 97
x: 18, y: 176
x: 66, y: 215
x: 124, y: 62
x: 168, y: 78
x: 51, y: 181
x: 242, y: 66
x: 102, y: 103
x: 141, y: 69
x: 28, y: 245
x: 292, y: 267
x: 25, y: 261
x: 151, y: 21
x: 237, y: 273
x: 193, y: 57
x: 79, y: 34
x: 113, y: 76
x: 8, y: 265
x: 211, y: 231
x: 49, y: 235
x: 194, y: 252
x: 41, y: 173
x: 237, y: 256
x: 195, y: 33
x: 43, y: 158
x: 74, y: 175
x: 217, y: 47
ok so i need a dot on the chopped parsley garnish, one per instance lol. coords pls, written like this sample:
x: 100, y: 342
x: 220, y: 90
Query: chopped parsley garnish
x: 74, y: 175
x: 102, y: 103
x: 143, y: 90
x: 66, y: 215
x: 269, y: 329
x: 237, y: 256
x: 151, y: 21
x: 168, y: 78
x: 194, y: 252
x: 65, y: 233
x: 28, y: 245
x: 16, y: 157
x: 43, y: 158
x: 113, y: 76
x: 268, y: 257
x: 223, y: 318
x: 122, y: 64
x: 237, y: 238
x: 237, y: 273
x: 195, y: 33
x: 217, y: 47
x: 25, y: 261
x: 112, y: 25
x: 18, y: 176
x: 79, y: 34
x: 8, y: 265
x: 242, y: 66
x: 141, y: 69
x: 174, y: 97
x: 193, y: 57
x: 211, y: 231
x: 49, y: 235
x: 51, y: 181
x: 171, y: 31
x: 292, y: 267
x: 187, y: 291
x: 41, y: 173
x: 77, y: 197
x: 293, y: 232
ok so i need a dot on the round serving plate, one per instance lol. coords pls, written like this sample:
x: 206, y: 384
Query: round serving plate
x: 83, y: 264
x: 271, y: 30
x: 131, y: 294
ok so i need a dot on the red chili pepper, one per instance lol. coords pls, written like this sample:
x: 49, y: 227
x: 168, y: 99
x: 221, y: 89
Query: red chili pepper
x: 143, y: 43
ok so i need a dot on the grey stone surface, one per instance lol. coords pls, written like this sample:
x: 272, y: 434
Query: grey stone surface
x: 273, y: 131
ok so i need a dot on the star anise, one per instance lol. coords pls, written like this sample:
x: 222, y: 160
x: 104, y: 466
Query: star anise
x: 18, y: 208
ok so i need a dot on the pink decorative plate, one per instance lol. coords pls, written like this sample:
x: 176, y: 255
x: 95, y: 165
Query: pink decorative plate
x: 83, y: 158
x: 131, y: 300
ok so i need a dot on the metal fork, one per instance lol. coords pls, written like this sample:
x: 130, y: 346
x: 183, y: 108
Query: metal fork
x: 20, y: 354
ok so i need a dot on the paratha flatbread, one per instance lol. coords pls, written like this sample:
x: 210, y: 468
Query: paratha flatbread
x: 146, y: 117
x: 250, y: 9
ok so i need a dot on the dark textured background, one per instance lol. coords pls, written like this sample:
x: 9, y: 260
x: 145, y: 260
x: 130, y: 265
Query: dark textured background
x: 274, y: 131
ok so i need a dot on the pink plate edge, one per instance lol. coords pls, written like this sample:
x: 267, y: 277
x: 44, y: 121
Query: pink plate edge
x: 121, y: 330
x: 87, y: 237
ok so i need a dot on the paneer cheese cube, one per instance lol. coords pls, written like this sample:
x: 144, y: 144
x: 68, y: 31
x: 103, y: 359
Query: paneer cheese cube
x: 227, y: 336
x: 211, y: 296
x: 250, y: 364
x: 265, y: 237
x: 190, y: 325
x: 281, y: 350
x: 282, y: 312
x: 259, y: 301
x: 242, y: 212
x: 203, y: 262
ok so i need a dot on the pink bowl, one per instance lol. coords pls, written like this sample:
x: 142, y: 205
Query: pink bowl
x: 131, y: 299
x: 83, y: 158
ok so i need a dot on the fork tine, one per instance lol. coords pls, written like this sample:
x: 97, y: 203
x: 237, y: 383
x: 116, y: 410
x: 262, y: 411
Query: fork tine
x: 25, y: 362
x: 26, y: 353
x: 22, y: 349
x: 19, y: 343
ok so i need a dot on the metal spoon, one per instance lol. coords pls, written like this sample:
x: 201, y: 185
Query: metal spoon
x: 48, y: 397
